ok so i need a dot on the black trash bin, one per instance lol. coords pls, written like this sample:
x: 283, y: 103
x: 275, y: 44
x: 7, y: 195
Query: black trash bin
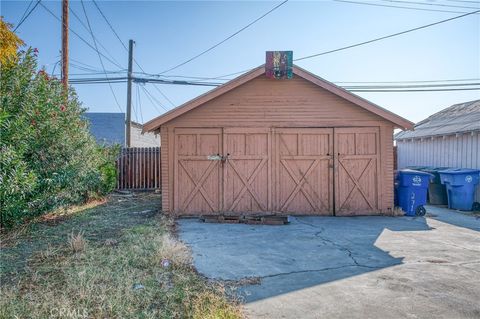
x: 437, y: 192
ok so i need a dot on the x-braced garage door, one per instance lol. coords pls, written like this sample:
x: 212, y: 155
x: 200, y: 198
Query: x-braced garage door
x: 308, y: 171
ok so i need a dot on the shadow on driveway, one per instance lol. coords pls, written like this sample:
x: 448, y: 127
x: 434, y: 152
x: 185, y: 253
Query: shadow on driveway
x: 456, y: 218
x: 307, y: 252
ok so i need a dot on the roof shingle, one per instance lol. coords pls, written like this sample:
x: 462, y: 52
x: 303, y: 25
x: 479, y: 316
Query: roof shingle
x: 458, y: 118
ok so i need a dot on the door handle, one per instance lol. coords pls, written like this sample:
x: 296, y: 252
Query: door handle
x: 225, y: 157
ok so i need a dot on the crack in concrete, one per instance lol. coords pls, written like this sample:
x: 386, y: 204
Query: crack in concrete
x: 314, y: 270
x: 335, y: 244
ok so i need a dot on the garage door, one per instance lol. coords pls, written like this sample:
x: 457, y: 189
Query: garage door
x: 356, y: 168
x: 307, y: 171
x: 198, y: 174
x: 304, y: 171
x: 247, y: 176
x: 222, y: 171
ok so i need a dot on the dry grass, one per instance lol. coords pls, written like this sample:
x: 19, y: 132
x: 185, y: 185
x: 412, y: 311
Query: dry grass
x: 398, y: 211
x: 173, y: 251
x: 68, y: 279
x: 77, y: 242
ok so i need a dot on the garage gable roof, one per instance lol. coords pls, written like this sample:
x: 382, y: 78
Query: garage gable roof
x: 155, y: 123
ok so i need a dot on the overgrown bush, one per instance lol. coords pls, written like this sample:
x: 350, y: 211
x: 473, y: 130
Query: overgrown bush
x: 48, y: 157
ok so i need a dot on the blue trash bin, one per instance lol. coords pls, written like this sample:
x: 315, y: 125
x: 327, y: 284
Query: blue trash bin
x: 412, y: 191
x: 461, y: 184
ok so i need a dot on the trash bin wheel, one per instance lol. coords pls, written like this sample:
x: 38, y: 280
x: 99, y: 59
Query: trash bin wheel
x: 476, y: 206
x: 420, y: 211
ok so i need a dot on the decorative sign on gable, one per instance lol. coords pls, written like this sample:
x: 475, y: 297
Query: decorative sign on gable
x: 278, y: 64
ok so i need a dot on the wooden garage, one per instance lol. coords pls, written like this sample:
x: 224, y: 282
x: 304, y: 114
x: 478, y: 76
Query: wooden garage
x: 259, y: 145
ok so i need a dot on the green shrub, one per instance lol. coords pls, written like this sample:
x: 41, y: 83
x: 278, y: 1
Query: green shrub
x: 48, y: 157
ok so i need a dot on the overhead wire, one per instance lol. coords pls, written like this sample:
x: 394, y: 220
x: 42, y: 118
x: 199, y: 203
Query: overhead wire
x: 464, y: 1
x: 125, y: 47
x: 134, y: 108
x: 224, y: 40
x: 139, y: 103
x: 25, y: 12
x: 96, y: 40
x: 386, y: 87
x: 26, y: 16
x: 151, y: 98
x: 395, y: 6
x: 428, y: 4
x: 356, y: 44
x: 110, y: 25
x: 413, y: 90
x: 387, y: 36
x: 411, y: 81
x: 81, y: 38
x: 99, y: 56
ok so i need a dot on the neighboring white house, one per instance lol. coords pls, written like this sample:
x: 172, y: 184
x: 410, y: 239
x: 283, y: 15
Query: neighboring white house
x: 140, y: 139
x: 449, y: 138
x: 109, y: 129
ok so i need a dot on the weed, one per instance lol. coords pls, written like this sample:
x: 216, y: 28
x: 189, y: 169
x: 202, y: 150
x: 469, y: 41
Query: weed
x: 77, y: 242
x: 174, y: 251
x: 398, y: 211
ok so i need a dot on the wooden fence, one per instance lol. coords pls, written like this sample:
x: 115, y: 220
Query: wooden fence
x: 138, y: 168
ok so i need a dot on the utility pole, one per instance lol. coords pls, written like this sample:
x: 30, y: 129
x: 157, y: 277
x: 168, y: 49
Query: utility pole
x: 65, y: 43
x: 129, y: 91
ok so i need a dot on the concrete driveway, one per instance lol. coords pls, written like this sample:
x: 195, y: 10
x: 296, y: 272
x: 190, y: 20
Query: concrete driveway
x: 347, y: 267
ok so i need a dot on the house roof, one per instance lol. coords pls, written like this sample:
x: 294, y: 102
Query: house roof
x: 107, y: 128
x: 397, y: 120
x: 458, y: 118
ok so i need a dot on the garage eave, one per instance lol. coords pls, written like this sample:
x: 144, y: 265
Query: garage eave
x: 396, y: 120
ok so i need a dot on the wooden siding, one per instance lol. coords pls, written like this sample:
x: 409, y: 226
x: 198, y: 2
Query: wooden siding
x: 165, y: 169
x: 287, y: 103
x: 386, y: 166
x: 259, y: 72
x: 276, y: 105
x: 462, y: 150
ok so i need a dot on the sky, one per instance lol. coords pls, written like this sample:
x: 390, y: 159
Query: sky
x: 167, y: 33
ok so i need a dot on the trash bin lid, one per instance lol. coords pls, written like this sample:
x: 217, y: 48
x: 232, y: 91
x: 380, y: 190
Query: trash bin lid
x: 459, y: 171
x: 408, y: 171
x: 418, y: 168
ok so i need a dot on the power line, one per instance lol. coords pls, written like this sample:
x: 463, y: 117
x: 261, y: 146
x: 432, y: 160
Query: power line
x: 180, y: 76
x: 413, y: 81
x: 91, y: 71
x: 135, y: 110
x: 80, y: 37
x: 464, y: 1
x: 125, y: 47
x: 413, y: 90
x: 26, y: 16
x: 352, y: 88
x: 139, y: 105
x: 395, y: 6
x: 387, y: 36
x: 115, y: 32
x: 429, y: 4
x: 151, y: 98
x: 110, y: 25
x: 96, y: 40
x: 162, y: 94
x: 99, y: 56
x: 226, y: 39
x: 357, y: 44
x: 409, y: 86
x: 365, y: 82
x: 92, y: 68
x: 25, y: 12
